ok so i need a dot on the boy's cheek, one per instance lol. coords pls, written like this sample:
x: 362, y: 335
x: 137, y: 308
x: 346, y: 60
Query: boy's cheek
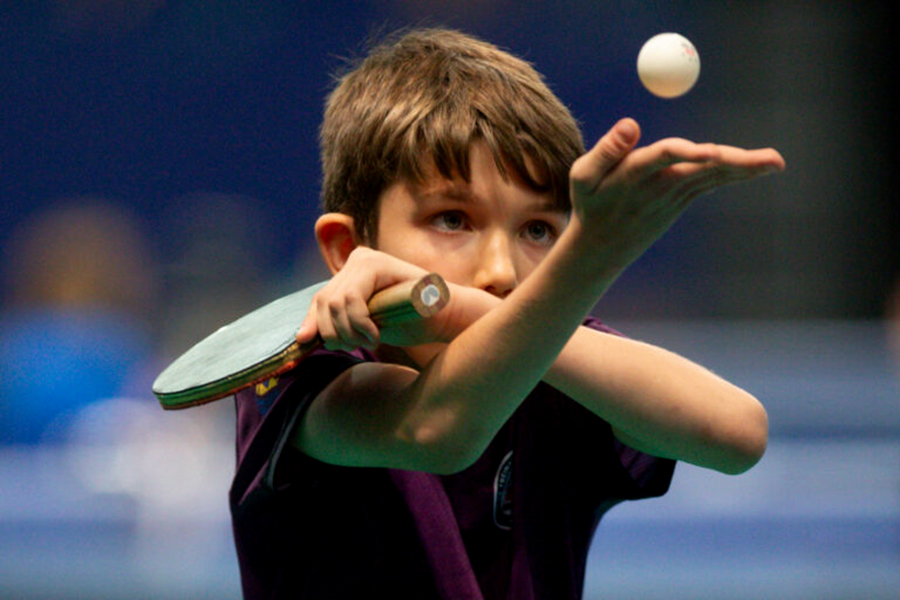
x: 423, y: 247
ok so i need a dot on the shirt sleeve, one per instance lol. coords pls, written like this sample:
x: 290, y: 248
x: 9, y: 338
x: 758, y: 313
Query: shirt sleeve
x: 265, y: 425
x: 626, y: 473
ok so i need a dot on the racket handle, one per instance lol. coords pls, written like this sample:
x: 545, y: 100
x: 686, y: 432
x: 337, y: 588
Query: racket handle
x: 409, y: 300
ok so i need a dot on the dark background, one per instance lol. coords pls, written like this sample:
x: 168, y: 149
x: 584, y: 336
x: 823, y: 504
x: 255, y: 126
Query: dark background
x: 142, y: 104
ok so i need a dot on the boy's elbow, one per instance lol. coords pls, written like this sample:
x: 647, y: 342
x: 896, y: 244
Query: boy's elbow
x: 748, y: 444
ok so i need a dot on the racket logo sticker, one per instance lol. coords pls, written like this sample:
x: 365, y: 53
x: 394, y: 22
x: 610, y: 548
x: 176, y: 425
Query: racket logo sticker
x: 430, y: 295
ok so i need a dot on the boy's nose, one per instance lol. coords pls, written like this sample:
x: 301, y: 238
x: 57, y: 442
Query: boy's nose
x: 496, y: 272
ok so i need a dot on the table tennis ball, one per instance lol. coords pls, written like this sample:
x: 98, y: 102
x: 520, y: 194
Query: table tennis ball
x: 668, y: 65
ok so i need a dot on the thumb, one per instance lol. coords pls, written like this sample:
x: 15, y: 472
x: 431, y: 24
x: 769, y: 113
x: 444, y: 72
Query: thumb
x: 591, y: 167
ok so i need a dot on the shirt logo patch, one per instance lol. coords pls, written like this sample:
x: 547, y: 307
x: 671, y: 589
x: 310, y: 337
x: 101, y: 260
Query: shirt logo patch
x: 263, y: 404
x: 503, y: 493
x: 266, y: 386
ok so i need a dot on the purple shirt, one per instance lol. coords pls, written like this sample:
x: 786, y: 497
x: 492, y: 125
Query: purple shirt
x: 515, y: 525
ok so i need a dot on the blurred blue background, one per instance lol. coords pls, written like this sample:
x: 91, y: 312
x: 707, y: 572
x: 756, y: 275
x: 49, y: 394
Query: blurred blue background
x: 159, y: 177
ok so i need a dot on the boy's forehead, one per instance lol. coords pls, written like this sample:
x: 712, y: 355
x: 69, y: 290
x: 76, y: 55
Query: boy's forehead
x: 435, y: 186
x: 432, y: 184
x: 438, y: 189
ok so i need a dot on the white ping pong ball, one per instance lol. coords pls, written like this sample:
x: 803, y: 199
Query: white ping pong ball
x: 668, y: 65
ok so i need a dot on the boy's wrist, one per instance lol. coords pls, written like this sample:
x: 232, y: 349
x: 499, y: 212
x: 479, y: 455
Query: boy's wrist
x: 594, y: 257
x: 466, y: 306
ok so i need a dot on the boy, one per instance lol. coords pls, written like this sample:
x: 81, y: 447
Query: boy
x: 473, y: 454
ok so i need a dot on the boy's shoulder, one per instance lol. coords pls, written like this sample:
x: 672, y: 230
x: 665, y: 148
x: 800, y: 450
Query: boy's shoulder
x: 312, y: 374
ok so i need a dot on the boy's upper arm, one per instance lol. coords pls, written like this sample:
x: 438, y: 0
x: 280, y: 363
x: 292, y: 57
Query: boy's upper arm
x: 357, y: 419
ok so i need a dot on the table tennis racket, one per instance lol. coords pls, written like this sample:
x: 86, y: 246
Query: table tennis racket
x: 262, y: 344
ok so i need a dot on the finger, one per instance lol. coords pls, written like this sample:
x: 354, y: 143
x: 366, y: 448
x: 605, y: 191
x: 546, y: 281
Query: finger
x: 667, y: 154
x: 689, y: 180
x: 346, y: 336
x: 325, y: 323
x: 664, y: 154
x: 308, y: 329
x: 672, y: 151
x: 364, y: 332
x: 727, y: 171
x: 591, y: 167
x: 764, y: 154
x: 680, y: 159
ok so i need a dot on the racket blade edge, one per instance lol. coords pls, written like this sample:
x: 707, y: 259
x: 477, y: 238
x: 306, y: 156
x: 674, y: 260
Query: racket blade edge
x: 236, y: 355
x: 262, y: 344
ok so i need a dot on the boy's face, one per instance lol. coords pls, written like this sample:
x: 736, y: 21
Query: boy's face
x: 489, y: 233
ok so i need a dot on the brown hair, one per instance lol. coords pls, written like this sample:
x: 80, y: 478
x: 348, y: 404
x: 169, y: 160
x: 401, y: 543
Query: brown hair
x: 421, y: 99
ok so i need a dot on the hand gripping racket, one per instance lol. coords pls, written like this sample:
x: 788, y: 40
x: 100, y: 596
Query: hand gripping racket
x: 262, y: 344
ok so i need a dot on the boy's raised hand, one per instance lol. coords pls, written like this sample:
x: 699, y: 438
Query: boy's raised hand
x: 626, y: 197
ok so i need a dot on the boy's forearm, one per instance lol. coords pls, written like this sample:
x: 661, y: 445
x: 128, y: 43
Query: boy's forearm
x: 485, y: 372
x: 662, y: 403
x: 655, y: 400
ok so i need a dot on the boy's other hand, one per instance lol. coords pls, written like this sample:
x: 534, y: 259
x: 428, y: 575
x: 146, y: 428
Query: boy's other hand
x: 339, y: 312
x: 627, y: 197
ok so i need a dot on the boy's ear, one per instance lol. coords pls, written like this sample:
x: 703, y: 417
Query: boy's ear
x: 336, y: 234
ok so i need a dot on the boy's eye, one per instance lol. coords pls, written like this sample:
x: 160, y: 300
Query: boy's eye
x: 540, y: 232
x: 449, y: 221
